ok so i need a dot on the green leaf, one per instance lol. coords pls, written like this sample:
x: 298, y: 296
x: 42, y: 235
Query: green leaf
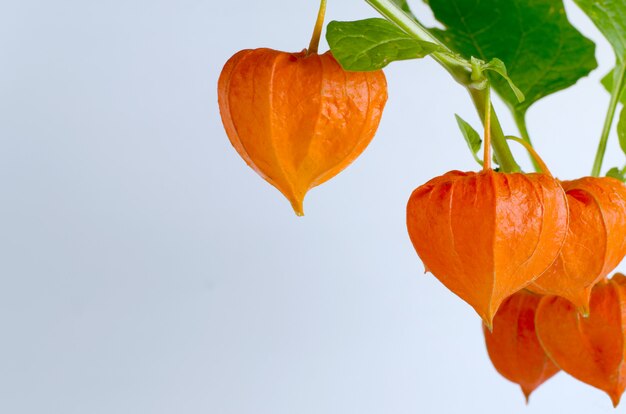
x: 472, y: 138
x: 609, y: 16
x: 497, y: 66
x: 621, y: 129
x: 615, y: 172
x: 372, y: 44
x: 608, y: 81
x: 542, y: 51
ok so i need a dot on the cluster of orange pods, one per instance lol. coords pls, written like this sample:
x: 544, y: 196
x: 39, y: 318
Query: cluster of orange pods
x: 531, y: 255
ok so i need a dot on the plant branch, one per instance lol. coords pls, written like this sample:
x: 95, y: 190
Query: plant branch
x: 461, y: 71
x: 618, y: 86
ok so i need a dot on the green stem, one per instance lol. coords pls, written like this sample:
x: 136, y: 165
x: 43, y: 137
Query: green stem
x: 498, y: 141
x: 610, y: 115
x: 461, y: 71
x: 317, y: 30
x: 487, y: 134
x: 520, y: 121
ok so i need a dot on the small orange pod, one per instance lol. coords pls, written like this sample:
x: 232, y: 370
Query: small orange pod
x: 513, y: 346
x: 487, y: 235
x: 591, y: 349
x: 595, y: 242
x: 297, y: 119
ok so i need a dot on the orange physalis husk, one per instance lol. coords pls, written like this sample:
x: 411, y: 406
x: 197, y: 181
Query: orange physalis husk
x: 297, y: 119
x: 487, y: 235
x: 591, y: 349
x: 513, y: 346
x: 595, y: 243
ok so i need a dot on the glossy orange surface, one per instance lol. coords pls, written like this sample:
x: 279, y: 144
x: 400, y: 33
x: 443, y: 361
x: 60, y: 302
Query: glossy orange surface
x: 595, y: 243
x: 487, y: 235
x: 513, y: 346
x: 591, y: 349
x: 298, y: 120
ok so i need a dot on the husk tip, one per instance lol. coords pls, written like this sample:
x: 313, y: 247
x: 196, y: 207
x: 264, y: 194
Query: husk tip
x: 298, y: 207
x: 583, y: 311
x: 615, y: 398
x: 615, y: 394
x: 488, y: 317
x: 526, y: 393
x: 488, y: 324
x: 581, y: 301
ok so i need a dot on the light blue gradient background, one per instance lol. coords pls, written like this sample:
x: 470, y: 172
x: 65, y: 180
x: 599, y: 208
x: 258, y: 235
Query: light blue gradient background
x: 145, y: 269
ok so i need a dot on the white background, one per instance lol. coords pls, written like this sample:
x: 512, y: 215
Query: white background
x: 144, y: 268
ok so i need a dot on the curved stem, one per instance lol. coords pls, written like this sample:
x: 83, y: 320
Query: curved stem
x: 317, y: 30
x: 618, y: 85
x: 461, y: 71
x: 520, y: 121
x: 487, y: 141
x: 541, y: 165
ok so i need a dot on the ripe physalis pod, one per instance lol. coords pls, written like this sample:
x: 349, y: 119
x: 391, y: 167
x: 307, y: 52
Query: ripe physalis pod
x: 298, y: 119
x: 595, y: 243
x: 513, y: 346
x: 487, y: 235
x: 591, y: 349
